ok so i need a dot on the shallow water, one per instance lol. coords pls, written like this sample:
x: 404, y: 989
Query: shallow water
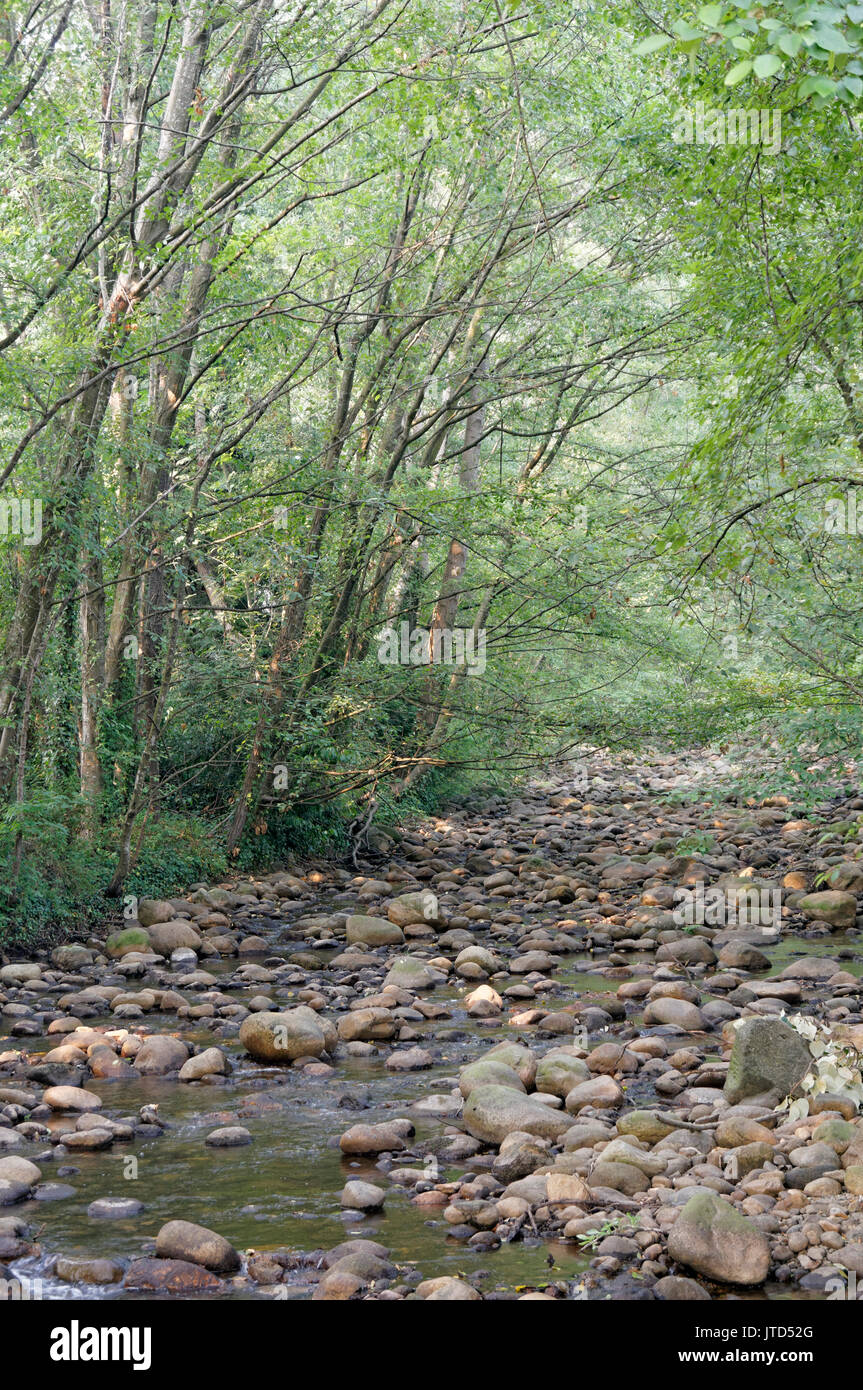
x: 282, y: 1191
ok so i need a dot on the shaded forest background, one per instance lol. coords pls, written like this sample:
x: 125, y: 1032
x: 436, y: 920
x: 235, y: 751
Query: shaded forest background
x: 319, y: 319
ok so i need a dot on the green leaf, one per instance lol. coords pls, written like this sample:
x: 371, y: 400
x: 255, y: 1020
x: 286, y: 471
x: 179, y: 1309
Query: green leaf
x: 712, y: 14
x: 767, y: 65
x: 816, y: 86
x: 738, y: 72
x: 656, y: 41
x: 791, y: 44
x: 831, y: 39
x: 686, y: 32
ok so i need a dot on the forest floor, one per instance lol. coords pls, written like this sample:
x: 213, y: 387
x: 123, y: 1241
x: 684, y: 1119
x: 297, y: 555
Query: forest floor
x: 495, y: 1062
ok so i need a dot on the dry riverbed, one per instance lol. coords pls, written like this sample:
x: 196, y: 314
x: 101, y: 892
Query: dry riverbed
x: 492, y: 1064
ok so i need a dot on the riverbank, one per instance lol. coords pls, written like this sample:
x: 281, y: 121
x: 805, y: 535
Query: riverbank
x: 497, y: 1057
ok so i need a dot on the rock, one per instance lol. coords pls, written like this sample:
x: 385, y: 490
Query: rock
x: 768, y: 1058
x: 89, y: 1140
x: 339, y: 1285
x: 854, y: 1179
x: 566, y: 1189
x: 183, y: 1240
x: 154, y: 910
x: 476, y: 955
x: 492, y: 1112
x: 847, y: 877
x: 601, y: 1092
x: 621, y: 1177
x: 520, y: 1155
x: 741, y: 955
x: 676, y: 1012
x: 716, y: 1240
x: 735, y: 1130
x: 411, y: 909
x: 839, y: 909
x: 557, y: 1073
x: 622, y: 1151
x: 171, y: 1276
x: 362, y: 1196
x: 483, y: 1002
x: 114, y: 1208
x: 373, y: 931
x: 20, y: 972
x: 74, y: 1271
x: 645, y: 1125
x: 449, y: 1290
x: 15, y: 1169
x: 411, y: 973
x: 211, y: 1062
x: 72, y: 1098
x: 166, y: 937
x: 228, y: 1137
x: 282, y: 1037
x: 160, y: 1054
x: 674, y: 1289
x: 488, y: 1071
x: 689, y: 950
x: 367, y: 1025
x: 123, y: 943
x: 411, y: 1059
x: 375, y: 1139
x: 517, y: 1056
x: 810, y: 968
x: 72, y: 956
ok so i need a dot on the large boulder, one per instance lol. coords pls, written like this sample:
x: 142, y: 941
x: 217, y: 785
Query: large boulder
x: 768, y: 1059
x: 160, y: 1054
x: 183, y: 1240
x: 833, y: 906
x: 558, y: 1073
x: 372, y: 931
x: 646, y: 1125
x: 388, y: 1137
x: 282, y: 1037
x: 72, y: 956
x: 689, y: 950
x: 171, y: 1276
x: 677, y: 1013
x: 211, y: 1062
x: 488, y: 1071
x: 122, y: 943
x: 493, y: 1112
x: 166, y: 937
x: 16, y: 1169
x: 475, y: 956
x: 367, y: 1025
x: 716, y: 1240
x: 411, y: 973
x: 19, y: 973
x: 412, y: 909
x: 153, y: 910
x: 601, y: 1092
x: 742, y: 955
x: 847, y: 876
x: 72, y: 1098
x: 517, y: 1056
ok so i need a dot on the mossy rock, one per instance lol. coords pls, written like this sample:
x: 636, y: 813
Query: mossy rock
x: 130, y: 939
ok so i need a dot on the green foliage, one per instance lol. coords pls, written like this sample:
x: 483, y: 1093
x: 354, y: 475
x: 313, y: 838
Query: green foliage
x: 657, y: 342
x: 813, y: 47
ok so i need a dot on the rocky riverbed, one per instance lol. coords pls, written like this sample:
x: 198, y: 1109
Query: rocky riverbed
x: 499, y: 1061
